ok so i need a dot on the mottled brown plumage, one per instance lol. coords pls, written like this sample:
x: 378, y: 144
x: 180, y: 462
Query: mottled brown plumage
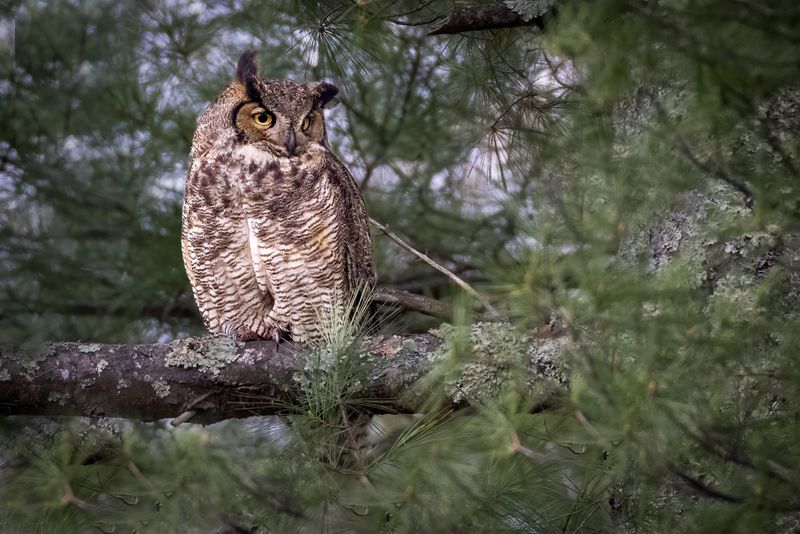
x: 275, y: 234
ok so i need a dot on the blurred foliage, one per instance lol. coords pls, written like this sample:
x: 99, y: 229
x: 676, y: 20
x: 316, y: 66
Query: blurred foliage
x: 630, y: 175
x: 102, y: 103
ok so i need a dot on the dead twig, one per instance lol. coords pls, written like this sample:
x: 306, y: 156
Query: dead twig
x: 189, y: 412
x: 460, y: 282
x: 517, y: 447
x: 413, y: 302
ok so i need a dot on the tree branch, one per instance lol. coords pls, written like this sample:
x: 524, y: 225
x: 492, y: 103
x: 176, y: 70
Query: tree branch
x: 413, y: 302
x: 211, y: 378
x: 450, y: 274
x: 480, y: 18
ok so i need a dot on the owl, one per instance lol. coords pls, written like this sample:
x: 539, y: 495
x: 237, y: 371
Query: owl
x: 275, y: 234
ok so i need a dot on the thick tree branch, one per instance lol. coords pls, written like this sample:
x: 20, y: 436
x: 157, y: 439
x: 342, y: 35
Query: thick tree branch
x: 479, y: 18
x: 213, y: 378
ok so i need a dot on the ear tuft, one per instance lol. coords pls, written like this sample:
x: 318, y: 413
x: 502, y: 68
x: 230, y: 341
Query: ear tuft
x: 247, y: 69
x: 327, y: 94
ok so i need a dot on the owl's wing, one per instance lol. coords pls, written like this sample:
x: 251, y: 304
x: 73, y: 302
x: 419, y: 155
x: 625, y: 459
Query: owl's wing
x: 359, y: 262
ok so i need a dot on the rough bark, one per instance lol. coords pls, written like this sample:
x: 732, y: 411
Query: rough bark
x: 214, y: 377
x: 480, y: 18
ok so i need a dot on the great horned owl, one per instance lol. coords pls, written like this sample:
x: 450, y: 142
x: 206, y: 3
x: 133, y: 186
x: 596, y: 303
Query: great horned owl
x: 275, y: 234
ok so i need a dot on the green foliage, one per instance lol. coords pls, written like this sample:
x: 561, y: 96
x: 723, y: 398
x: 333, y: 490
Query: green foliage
x: 629, y: 177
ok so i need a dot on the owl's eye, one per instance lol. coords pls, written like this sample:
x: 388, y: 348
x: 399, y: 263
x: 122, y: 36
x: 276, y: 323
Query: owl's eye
x: 263, y: 118
x: 306, y: 123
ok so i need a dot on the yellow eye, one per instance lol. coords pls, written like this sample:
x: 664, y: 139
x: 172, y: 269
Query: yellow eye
x: 306, y: 123
x: 263, y: 118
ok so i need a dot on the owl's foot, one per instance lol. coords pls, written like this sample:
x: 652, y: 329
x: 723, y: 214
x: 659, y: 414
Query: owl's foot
x: 241, y: 333
x: 278, y: 334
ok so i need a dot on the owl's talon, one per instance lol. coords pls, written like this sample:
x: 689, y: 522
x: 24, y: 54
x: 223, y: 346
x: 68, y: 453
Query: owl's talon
x: 279, y: 335
x: 243, y: 334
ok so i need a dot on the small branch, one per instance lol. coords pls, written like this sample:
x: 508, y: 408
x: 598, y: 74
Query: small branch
x: 184, y: 417
x: 517, y: 447
x: 189, y: 411
x: 702, y: 488
x: 461, y: 283
x: 70, y: 498
x: 413, y: 302
x: 713, y: 171
x: 718, y: 446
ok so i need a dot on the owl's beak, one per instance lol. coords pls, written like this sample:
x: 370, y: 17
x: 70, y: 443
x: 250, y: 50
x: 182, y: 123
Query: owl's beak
x: 291, y: 142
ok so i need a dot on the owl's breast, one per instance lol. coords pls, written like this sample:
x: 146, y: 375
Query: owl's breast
x: 281, y: 187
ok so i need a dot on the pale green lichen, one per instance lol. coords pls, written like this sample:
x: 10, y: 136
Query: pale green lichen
x: 123, y: 383
x: 547, y: 360
x: 5, y: 376
x: 208, y: 354
x: 161, y: 387
x: 90, y: 348
x: 487, y: 359
x: 28, y: 357
x: 102, y: 364
x: 60, y: 398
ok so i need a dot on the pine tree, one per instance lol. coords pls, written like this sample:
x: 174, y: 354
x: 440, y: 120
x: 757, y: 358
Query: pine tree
x: 622, y: 171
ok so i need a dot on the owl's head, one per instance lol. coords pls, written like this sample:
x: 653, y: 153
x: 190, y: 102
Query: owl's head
x: 282, y: 117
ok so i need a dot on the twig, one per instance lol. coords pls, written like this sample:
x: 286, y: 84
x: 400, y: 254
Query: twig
x: 348, y: 429
x: 461, y: 283
x: 70, y: 498
x: 182, y: 418
x: 134, y: 469
x: 517, y: 447
x: 715, y: 445
x: 702, y: 488
x: 716, y: 172
x: 586, y: 424
x: 190, y: 412
x: 413, y: 302
x: 713, y: 171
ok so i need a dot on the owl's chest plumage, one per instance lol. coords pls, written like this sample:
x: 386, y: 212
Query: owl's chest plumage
x: 286, y: 219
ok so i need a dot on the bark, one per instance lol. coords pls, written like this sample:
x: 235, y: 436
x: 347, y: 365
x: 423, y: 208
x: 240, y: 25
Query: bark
x: 212, y: 376
x: 480, y: 18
